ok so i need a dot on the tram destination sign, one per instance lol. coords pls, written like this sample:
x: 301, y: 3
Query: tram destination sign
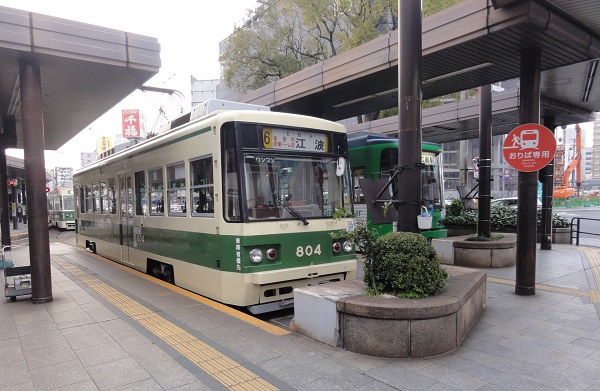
x: 295, y: 140
x: 529, y: 147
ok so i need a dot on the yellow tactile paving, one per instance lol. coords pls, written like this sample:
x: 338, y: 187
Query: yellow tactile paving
x: 542, y: 287
x: 223, y: 369
x: 593, y: 257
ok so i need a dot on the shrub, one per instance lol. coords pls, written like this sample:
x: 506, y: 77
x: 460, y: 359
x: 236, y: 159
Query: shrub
x: 405, y: 265
x: 502, y: 217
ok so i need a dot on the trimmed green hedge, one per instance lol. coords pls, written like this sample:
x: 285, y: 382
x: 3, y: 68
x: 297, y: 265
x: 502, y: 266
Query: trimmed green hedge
x: 502, y: 217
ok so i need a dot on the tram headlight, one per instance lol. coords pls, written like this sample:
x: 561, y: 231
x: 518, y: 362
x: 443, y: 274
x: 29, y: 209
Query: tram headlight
x: 271, y: 254
x: 336, y: 247
x: 256, y: 255
x: 347, y: 246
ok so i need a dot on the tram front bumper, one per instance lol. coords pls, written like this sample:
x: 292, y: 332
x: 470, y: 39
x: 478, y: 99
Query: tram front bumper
x: 306, y: 272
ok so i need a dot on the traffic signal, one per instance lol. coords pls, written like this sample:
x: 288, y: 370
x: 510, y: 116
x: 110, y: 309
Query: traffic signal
x: 47, y: 190
x: 11, y: 182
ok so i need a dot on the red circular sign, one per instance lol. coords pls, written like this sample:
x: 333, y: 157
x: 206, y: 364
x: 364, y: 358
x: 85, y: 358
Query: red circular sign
x: 529, y: 147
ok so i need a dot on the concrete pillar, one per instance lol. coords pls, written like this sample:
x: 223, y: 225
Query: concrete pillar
x: 409, y: 114
x: 35, y: 179
x: 527, y: 210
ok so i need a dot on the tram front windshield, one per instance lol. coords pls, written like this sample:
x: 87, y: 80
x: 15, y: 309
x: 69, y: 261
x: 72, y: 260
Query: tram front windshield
x: 293, y: 187
x: 68, y: 203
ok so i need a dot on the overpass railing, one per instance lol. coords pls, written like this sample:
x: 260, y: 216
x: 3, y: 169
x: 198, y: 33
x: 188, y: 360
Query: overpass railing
x: 576, y: 229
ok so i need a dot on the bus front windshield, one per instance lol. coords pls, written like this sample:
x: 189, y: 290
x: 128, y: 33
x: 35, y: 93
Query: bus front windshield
x: 293, y: 187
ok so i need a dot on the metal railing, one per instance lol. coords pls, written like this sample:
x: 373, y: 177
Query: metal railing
x: 576, y: 229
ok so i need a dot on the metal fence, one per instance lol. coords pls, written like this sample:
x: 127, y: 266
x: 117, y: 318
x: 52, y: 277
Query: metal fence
x: 576, y: 229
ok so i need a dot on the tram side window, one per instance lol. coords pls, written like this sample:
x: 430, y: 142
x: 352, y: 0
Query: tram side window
x: 156, y: 183
x: 108, y: 196
x: 103, y: 192
x: 81, y: 200
x: 89, y: 199
x: 140, y: 193
x: 202, y: 187
x: 176, y: 189
x: 357, y: 174
x: 96, y: 196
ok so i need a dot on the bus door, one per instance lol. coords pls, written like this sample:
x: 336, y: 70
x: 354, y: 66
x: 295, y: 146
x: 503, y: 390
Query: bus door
x: 126, y: 212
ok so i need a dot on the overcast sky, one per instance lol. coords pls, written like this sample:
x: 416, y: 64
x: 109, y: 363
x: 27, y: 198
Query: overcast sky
x: 189, y: 33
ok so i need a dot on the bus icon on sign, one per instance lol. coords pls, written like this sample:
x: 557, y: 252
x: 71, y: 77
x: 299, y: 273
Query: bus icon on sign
x: 530, y: 139
x: 527, y: 139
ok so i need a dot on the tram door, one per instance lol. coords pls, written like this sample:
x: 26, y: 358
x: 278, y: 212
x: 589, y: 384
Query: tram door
x: 126, y: 200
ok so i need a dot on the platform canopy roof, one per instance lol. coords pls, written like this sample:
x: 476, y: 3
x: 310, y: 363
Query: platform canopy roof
x: 473, y: 43
x: 85, y: 69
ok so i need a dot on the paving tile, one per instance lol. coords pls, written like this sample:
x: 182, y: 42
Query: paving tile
x: 143, y: 385
x: 169, y: 374
x: 453, y: 378
x: 117, y: 373
x: 102, y: 353
x: 62, y: 374
x: 129, y: 338
x: 146, y: 354
x: 85, y: 335
x: 41, y: 340
x: 401, y: 378
x: 87, y: 385
x: 49, y: 355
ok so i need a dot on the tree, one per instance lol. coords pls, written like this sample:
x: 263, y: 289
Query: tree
x: 285, y: 36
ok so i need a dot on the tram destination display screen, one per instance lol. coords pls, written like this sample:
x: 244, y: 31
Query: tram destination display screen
x: 295, y: 140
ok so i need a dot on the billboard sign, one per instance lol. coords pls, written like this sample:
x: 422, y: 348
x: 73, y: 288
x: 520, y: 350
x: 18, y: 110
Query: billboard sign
x: 131, y: 123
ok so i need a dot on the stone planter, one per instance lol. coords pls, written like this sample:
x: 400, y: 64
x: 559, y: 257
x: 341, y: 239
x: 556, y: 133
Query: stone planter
x: 340, y: 314
x: 483, y: 254
x: 559, y: 235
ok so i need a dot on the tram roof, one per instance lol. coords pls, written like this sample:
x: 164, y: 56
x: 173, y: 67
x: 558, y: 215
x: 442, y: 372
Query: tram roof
x: 85, y: 69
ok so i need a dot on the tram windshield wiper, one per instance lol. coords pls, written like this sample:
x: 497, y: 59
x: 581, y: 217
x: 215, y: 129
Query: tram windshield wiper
x: 289, y: 208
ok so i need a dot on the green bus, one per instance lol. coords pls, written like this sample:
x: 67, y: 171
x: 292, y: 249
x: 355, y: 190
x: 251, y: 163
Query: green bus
x: 375, y: 156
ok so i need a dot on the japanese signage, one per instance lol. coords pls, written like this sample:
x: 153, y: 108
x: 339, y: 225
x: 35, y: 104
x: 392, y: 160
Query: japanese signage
x: 63, y: 175
x: 428, y: 158
x: 529, y: 147
x: 295, y: 140
x: 131, y: 123
x: 104, y: 144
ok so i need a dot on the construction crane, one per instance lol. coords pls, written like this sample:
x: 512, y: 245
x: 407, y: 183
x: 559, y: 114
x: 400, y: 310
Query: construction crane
x: 564, y: 189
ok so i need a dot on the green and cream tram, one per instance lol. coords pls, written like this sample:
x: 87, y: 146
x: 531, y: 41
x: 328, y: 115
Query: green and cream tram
x: 235, y: 205
x: 61, y: 208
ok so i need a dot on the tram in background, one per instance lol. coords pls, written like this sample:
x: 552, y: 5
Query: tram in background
x: 61, y: 208
x: 231, y: 201
x: 375, y: 156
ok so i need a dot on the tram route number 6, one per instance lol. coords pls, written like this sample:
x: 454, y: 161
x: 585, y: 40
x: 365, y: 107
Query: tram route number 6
x: 308, y: 251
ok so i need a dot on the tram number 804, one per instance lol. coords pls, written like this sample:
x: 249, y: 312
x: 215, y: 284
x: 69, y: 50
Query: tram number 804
x: 308, y: 251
